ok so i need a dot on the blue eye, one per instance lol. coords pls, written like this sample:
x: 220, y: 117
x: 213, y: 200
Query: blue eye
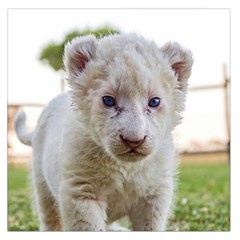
x: 109, y: 101
x: 154, y: 102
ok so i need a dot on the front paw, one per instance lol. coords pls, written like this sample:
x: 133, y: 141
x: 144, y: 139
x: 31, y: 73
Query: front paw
x: 82, y: 225
x: 150, y: 226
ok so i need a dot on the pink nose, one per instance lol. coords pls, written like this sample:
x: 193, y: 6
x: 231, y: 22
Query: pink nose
x: 133, y: 143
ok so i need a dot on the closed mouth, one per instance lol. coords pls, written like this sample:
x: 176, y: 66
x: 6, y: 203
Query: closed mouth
x: 132, y: 153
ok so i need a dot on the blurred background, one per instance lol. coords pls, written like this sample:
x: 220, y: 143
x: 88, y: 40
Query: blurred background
x: 35, y: 45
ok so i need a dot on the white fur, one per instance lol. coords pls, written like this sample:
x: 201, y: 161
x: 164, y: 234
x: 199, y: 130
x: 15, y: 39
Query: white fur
x: 83, y: 174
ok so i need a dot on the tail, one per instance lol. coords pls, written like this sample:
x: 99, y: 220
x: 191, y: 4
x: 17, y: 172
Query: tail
x: 20, y: 127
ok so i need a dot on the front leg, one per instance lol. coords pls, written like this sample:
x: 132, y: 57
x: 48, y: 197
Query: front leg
x: 80, y: 208
x: 152, y: 212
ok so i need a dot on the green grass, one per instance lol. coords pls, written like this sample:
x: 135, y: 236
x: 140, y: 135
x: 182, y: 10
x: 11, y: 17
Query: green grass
x: 17, y: 179
x: 20, y: 214
x: 202, y: 200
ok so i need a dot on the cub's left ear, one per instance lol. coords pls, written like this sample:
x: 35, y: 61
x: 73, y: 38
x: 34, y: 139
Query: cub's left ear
x: 180, y: 60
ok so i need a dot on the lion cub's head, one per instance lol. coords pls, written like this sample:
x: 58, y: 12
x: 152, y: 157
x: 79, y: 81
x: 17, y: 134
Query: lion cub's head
x: 128, y: 91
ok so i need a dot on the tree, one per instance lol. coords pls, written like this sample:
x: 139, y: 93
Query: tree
x: 52, y: 54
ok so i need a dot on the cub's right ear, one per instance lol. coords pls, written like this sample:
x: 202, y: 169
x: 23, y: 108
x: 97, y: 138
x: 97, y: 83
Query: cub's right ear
x: 78, y: 53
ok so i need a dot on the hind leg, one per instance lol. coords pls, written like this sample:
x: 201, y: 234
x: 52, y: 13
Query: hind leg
x: 47, y: 207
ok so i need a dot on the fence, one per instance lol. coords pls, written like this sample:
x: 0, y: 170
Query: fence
x: 226, y: 88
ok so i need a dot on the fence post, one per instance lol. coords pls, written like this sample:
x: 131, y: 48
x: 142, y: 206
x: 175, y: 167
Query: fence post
x: 227, y: 105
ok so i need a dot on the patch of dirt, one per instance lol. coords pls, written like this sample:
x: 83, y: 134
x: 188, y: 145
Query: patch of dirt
x: 208, y: 157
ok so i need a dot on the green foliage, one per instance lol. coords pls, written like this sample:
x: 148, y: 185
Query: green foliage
x: 52, y: 54
x: 202, y: 202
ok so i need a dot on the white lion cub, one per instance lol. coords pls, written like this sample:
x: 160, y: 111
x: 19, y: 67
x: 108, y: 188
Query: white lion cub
x: 104, y: 150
